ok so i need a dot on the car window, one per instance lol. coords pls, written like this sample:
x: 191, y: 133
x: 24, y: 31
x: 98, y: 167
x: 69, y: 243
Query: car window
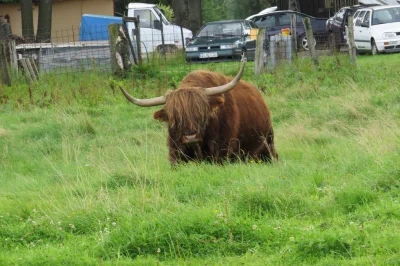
x: 356, y: 14
x: 367, y: 17
x: 252, y: 24
x: 388, y: 15
x: 221, y: 29
x: 339, y: 15
x: 359, y: 18
x: 146, y: 18
x: 246, y: 25
x: 284, y: 19
x: 299, y: 18
x: 266, y: 21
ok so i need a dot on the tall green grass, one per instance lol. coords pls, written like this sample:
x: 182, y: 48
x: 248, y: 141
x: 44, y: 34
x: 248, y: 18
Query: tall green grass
x: 85, y: 178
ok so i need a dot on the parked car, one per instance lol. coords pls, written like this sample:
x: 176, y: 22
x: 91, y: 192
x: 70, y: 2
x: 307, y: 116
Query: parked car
x: 223, y: 40
x: 377, y: 29
x: 336, y: 26
x: 275, y: 21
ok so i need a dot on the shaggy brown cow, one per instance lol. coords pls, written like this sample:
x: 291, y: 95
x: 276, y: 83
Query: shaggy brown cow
x: 214, y: 117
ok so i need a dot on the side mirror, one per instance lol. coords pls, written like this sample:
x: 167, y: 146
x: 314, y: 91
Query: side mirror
x: 365, y: 24
x: 157, y: 24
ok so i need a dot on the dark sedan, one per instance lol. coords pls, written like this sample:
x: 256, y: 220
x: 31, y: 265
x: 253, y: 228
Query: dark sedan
x: 223, y: 41
x: 275, y: 21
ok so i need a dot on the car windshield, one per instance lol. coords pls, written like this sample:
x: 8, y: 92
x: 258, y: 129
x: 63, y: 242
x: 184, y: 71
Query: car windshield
x: 221, y: 29
x: 387, y: 15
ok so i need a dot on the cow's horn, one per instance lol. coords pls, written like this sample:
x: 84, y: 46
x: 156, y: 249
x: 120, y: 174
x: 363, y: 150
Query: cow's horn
x: 227, y: 87
x: 144, y: 102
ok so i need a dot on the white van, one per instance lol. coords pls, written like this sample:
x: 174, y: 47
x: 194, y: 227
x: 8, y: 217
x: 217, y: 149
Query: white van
x: 151, y: 18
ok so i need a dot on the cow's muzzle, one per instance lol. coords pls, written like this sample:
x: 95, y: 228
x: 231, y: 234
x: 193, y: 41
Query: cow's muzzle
x: 191, y: 139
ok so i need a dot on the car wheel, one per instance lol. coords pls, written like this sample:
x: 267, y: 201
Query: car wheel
x: 304, y: 43
x: 333, y: 43
x: 374, y: 50
x: 171, y: 49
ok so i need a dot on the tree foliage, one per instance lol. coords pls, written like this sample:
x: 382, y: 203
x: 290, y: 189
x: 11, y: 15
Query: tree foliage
x: 232, y: 9
x: 121, y: 6
x: 215, y: 10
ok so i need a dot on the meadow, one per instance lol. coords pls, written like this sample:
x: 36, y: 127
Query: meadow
x: 85, y: 177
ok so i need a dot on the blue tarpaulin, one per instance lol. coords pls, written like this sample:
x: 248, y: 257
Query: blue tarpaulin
x: 94, y: 27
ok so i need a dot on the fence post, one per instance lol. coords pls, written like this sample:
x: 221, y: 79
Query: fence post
x: 293, y: 32
x: 259, y: 56
x: 4, y: 65
x: 162, y: 38
x: 352, y: 45
x: 183, y: 40
x: 310, y: 40
x: 13, y: 56
x: 119, y: 49
x: 124, y: 20
x: 139, y: 46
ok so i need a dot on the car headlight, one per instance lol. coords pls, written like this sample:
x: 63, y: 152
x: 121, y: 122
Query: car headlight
x: 192, y: 49
x: 389, y: 35
x: 227, y: 46
x: 236, y: 45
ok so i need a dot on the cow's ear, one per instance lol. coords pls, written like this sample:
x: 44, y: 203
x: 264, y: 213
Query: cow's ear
x: 160, y: 115
x: 215, y: 102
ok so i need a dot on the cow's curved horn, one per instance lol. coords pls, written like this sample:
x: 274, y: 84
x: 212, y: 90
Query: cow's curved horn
x: 144, y: 102
x: 227, y: 87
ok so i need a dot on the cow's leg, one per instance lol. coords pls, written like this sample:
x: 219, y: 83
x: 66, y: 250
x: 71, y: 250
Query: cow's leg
x: 266, y: 150
x: 271, y: 146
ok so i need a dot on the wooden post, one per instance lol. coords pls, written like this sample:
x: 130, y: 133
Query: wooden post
x: 139, y: 43
x: 119, y: 50
x: 293, y: 32
x: 352, y: 48
x: 30, y: 69
x: 13, y: 56
x: 26, y: 69
x: 183, y: 40
x: 124, y: 20
x: 4, y: 64
x: 310, y: 40
x: 34, y: 67
x: 259, y: 56
x: 162, y: 38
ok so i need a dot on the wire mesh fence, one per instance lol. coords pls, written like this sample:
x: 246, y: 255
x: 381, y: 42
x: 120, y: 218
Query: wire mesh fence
x: 78, y: 50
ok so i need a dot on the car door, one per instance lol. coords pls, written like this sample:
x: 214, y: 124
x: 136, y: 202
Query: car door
x: 283, y: 21
x: 337, y: 22
x: 362, y: 36
x: 268, y: 22
x: 150, y: 36
x: 299, y: 25
x: 249, y: 41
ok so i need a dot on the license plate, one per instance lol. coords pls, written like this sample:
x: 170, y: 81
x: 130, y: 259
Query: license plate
x: 391, y: 43
x: 208, y: 55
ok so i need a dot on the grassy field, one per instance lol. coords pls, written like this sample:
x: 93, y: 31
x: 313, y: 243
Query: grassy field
x: 85, y: 178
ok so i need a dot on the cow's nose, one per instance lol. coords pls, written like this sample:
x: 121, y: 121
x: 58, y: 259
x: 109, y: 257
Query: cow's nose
x: 190, y: 139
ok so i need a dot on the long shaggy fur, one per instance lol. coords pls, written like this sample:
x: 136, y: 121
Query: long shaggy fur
x: 234, y: 125
x: 187, y: 111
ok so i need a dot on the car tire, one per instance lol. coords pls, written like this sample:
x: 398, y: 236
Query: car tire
x: 168, y: 49
x: 303, y: 43
x: 374, y: 49
x: 333, y: 43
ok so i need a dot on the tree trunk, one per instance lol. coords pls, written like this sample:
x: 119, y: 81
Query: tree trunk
x: 27, y: 20
x: 44, y: 21
x: 119, y: 48
x: 188, y: 14
x: 5, y: 75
